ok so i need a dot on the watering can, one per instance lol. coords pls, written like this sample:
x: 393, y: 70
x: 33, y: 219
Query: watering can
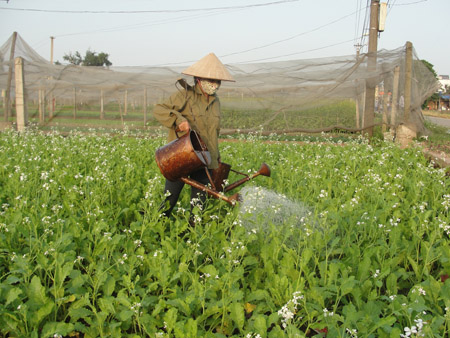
x: 188, y: 153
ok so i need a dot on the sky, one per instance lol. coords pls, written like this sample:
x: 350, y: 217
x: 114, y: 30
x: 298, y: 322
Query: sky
x: 180, y: 32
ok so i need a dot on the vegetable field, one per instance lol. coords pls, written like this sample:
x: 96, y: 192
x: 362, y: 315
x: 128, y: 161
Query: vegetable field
x: 355, y: 244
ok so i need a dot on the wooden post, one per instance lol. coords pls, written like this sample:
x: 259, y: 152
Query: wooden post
x: 3, y: 99
x: 51, y: 103
x: 74, y: 103
x: 357, y: 112
x: 408, y: 79
x: 125, y: 103
x: 7, y: 111
x: 41, y: 106
x: 363, y: 103
x: 395, y: 96
x: 102, y: 112
x: 21, y: 108
x: 369, y: 113
x: 145, y: 106
x: 385, y: 110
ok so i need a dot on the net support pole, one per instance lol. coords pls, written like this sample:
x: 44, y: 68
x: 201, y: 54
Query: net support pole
x: 51, y: 103
x: 385, y: 111
x: 3, y: 98
x: 357, y: 112
x: 41, y: 107
x: 125, y: 103
x: 395, y: 89
x: 369, y: 112
x: 145, y: 106
x: 408, y: 80
x: 7, y: 111
x: 102, y: 112
x: 74, y: 103
x: 21, y: 108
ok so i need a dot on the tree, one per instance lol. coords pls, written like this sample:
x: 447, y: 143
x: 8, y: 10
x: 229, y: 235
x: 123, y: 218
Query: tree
x: 435, y: 96
x: 90, y: 59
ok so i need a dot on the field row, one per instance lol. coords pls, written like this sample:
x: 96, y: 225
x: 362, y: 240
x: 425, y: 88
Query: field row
x: 345, y: 240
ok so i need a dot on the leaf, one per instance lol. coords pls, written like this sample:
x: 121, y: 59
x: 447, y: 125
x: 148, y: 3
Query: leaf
x: 259, y: 295
x: 181, y: 305
x: 109, y: 285
x: 209, y: 269
x: 249, y: 307
x: 391, y: 284
x: 76, y: 314
x: 190, y: 328
x: 12, y: 295
x: 363, y: 268
x: 414, y: 266
x: 125, y: 315
x: 260, y: 324
x: 106, y: 305
x: 41, y: 313
x: 237, y: 314
x: 36, y: 293
x: 65, y: 271
x: 70, y: 299
x: 348, y: 285
x: 51, y: 328
x: 171, y: 318
x: 250, y: 260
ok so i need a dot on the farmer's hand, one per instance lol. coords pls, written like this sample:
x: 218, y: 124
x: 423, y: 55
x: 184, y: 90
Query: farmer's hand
x: 184, y: 126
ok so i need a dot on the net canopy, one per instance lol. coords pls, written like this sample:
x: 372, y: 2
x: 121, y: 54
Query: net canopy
x: 297, y: 95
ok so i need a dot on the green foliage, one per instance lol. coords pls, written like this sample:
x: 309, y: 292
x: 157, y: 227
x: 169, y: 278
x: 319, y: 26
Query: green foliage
x: 84, y: 251
x: 90, y: 59
x: 435, y: 96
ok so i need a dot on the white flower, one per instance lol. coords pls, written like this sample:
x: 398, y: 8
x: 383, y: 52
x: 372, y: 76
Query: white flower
x: 409, y: 331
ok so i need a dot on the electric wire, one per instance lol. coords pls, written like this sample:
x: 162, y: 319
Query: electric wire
x: 296, y: 53
x: 291, y: 37
x: 357, y: 12
x: 149, y: 11
x: 149, y: 24
x: 365, y: 27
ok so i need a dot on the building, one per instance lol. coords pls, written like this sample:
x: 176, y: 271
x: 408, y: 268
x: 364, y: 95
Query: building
x: 445, y: 81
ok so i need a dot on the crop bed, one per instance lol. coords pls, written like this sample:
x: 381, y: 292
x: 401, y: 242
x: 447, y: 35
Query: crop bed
x: 343, y: 240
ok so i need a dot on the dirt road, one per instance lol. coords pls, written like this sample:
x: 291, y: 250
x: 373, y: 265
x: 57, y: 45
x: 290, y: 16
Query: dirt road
x: 439, y: 121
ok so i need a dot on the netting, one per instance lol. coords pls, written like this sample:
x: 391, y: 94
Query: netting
x: 290, y: 96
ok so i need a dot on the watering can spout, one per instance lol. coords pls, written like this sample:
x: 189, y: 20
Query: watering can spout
x: 263, y: 170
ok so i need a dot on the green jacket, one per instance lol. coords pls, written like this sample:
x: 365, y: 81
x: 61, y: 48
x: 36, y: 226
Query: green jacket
x: 202, y: 113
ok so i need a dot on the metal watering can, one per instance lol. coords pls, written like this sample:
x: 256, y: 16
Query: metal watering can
x: 188, y: 153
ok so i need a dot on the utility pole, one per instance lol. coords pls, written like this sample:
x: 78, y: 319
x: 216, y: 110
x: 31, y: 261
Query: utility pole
x: 52, y: 38
x: 369, y: 114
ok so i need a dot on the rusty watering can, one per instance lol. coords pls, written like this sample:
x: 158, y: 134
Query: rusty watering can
x: 188, y: 153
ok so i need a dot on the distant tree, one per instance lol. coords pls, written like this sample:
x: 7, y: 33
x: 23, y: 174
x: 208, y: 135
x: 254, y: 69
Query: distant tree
x: 90, y: 59
x: 435, y: 96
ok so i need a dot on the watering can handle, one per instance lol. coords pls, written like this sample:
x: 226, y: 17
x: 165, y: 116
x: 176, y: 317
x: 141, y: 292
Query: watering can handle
x: 200, y: 141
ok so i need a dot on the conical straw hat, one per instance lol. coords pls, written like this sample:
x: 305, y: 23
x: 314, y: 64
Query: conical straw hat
x: 209, y: 67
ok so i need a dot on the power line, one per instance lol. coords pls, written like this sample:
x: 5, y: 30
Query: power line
x: 411, y: 3
x: 296, y: 53
x: 234, y: 53
x: 292, y: 37
x: 149, y: 11
x: 365, y: 26
x: 154, y: 23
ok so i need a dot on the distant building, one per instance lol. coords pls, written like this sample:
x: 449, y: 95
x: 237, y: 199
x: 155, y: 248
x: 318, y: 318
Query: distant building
x: 445, y: 81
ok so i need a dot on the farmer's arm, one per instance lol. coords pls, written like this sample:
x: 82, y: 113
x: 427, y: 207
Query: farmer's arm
x: 168, y: 113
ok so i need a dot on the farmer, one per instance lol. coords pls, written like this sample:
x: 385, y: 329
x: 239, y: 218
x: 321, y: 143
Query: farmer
x: 194, y: 107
